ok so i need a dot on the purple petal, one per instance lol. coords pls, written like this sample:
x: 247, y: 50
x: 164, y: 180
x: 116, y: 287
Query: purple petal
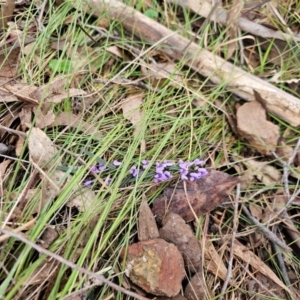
x: 167, y: 163
x: 184, y: 177
x: 198, y: 162
x: 202, y: 172
x: 94, y: 169
x: 145, y: 164
x: 101, y: 167
x: 108, y: 181
x: 88, y: 183
x: 117, y: 163
x: 133, y: 171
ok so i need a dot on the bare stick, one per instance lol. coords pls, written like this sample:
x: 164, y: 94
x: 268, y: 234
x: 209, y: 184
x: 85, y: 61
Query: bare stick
x: 269, y: 234
x: 172, y: 44
x: 68, y: 263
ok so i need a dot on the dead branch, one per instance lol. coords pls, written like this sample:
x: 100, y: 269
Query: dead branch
x: 221, y: 15
x: 70, y: 264
x: 239, y: 82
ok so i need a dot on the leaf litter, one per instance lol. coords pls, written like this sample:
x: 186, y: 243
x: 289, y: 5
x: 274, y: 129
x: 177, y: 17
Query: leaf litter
x: 191, y: 217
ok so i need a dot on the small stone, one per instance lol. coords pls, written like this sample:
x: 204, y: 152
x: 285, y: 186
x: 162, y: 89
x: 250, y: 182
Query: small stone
x: 195, y: 289
x: 3, y: 148
x: 176, y: 231
x: 156, y: 266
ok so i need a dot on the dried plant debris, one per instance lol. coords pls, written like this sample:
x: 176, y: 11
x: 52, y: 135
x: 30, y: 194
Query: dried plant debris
x: 156, y: 266
x: 191, y: 199
x: 176, y: 231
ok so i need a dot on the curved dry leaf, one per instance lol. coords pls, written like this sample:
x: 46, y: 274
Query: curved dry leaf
x: 261, y: 171
x: 214, y: 262
x: 41, y: 148
x: 131, y: 108
x: 83, y: 201
x: 64, y: 95
x: 69, y: 119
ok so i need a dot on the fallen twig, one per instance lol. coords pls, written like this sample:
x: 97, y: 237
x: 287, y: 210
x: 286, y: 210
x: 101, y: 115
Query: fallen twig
x: 219, y: 71
x: 70, y: 264
x: 269, y: 234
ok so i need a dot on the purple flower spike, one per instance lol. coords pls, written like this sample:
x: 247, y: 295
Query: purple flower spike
x: 117, y: 163
x: 134, y: 171
x: 88, y: 183
x: 145, y: 164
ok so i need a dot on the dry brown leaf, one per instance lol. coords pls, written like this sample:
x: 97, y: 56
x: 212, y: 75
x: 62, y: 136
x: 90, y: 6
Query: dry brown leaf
x: 6, y: 13
x: 3, y: 167
x: 69, y: 119
x: 147, y: 228
x: 9, y: 63
x: 278, y: 203
x: 43, y: 272
x: 6, y: 96
x: 131, y: 108
x: 19, y: 145
x: 17, y: 92
x: 115, y: 50
x: 231, y: 22
x: 42, y: 120
x: 253, y: 126
x: 56, y: 87
x: 41, y: 148
x: 214, y: 262
x: 261, y: 171
x: 83, y: 201
x: 48, y: 236
x: 269, y: 285
x: 42, y: 151
x: 64, y: 95
x: 249, y: 257
x: 25, y: 116
x: 158, y: 74
x: 203, y: 194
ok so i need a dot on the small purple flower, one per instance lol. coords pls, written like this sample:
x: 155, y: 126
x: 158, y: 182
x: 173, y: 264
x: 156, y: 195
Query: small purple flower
x: 145, y: 164
x: 194, y: 176
x: 94, y: 169
x: 167, y: 163
x: 108, y: 181
x: 88, y: 183
x: 101, y: 167
x: 184, y: 177
x: 198, y: 162
x: 117, y: 163
x: 162, y: 177
x: 203, y: 172
x: 134, y: 171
